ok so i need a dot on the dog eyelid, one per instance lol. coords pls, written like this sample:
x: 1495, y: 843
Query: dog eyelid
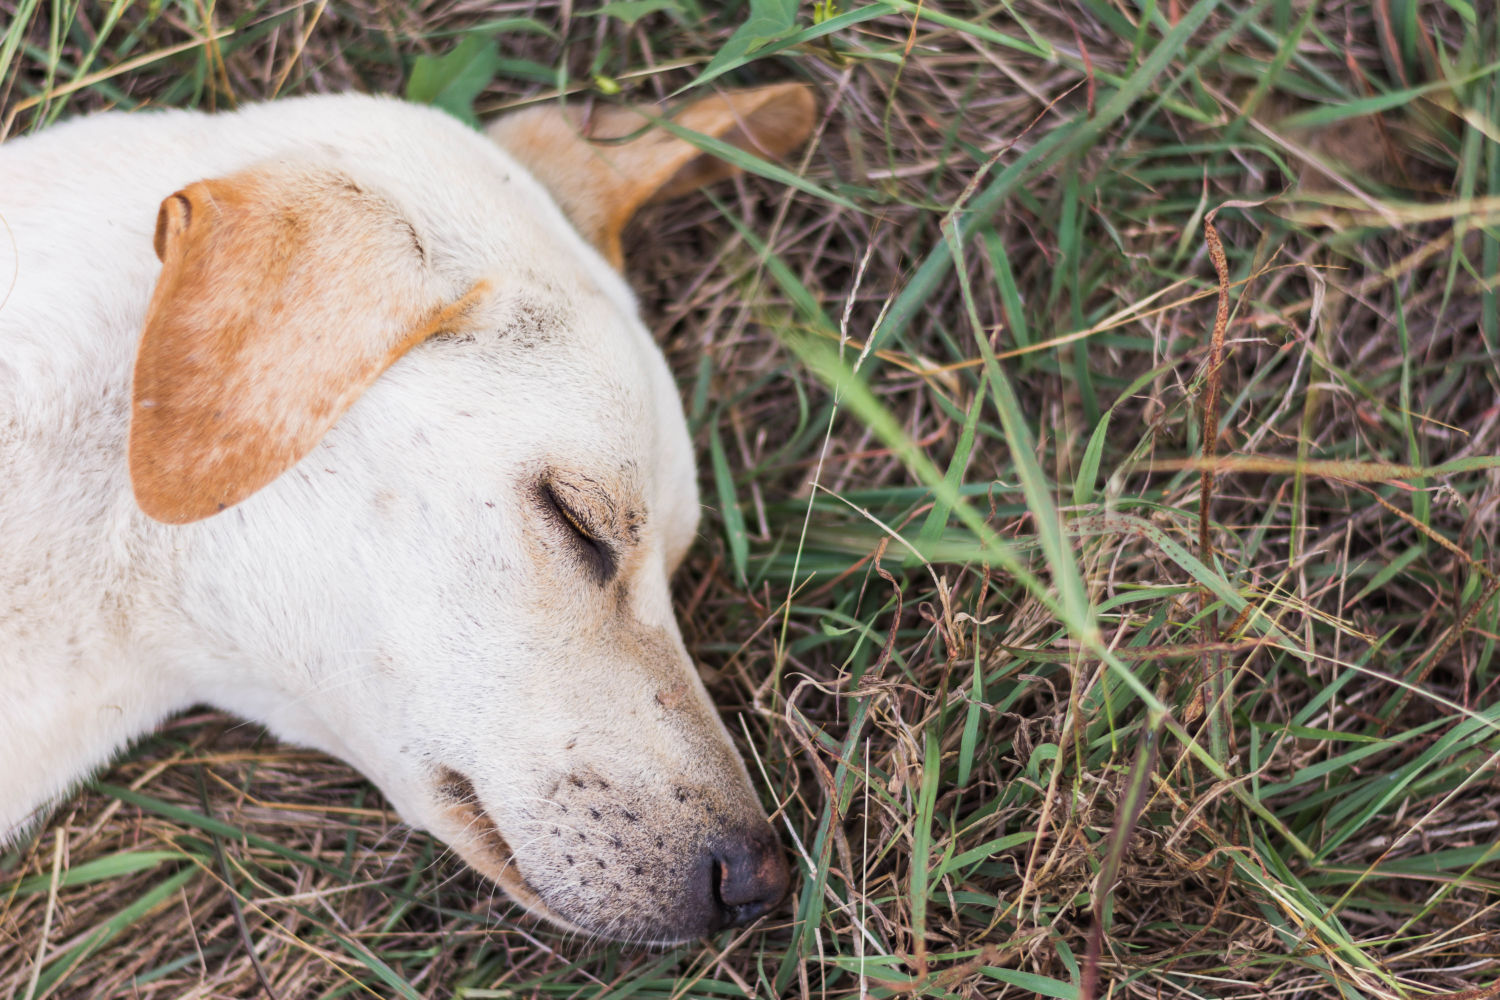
x: 598, y: 554
x: 572, y: 518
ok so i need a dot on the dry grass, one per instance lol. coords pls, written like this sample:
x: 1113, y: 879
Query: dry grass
x: 1052, y: 739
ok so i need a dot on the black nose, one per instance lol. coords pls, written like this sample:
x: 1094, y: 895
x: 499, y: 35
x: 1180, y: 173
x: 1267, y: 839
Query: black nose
x: 750, y: 876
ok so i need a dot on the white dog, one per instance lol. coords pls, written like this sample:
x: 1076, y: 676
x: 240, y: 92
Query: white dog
x: 326, y: 413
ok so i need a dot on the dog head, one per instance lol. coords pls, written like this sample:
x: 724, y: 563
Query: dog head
x: 432, y: 477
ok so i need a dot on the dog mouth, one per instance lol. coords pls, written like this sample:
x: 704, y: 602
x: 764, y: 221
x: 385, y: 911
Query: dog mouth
x: 475, y: 837
x: 479, y: 842
x: 672, y: 894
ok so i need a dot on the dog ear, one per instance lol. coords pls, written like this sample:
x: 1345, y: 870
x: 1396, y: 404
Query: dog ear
x: 283, y: 293
x: 603, y: 167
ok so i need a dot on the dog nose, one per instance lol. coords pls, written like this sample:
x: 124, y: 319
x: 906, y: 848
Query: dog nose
x: 750, y: 876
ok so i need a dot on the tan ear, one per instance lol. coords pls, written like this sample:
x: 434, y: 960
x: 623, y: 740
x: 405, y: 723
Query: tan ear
x: 284, y: 292
x: 600, y: 183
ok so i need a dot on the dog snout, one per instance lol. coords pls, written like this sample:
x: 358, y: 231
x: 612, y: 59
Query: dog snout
x: 750, y: 876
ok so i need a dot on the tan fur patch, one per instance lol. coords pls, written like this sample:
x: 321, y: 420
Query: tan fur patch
x: 284, y: 293
x: 603, y: 168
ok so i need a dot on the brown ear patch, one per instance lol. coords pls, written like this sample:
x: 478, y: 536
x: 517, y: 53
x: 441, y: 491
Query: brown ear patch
x: 284, y: 292
x: 175, y: 215
x: 767, y: 121
x: 601, y: 170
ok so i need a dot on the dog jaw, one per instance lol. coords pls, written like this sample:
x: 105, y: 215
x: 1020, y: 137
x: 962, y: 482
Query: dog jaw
x: 473, y: 834
x: 594, y: 864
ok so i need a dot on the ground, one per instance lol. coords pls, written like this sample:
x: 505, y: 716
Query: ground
x: 1100, y: 444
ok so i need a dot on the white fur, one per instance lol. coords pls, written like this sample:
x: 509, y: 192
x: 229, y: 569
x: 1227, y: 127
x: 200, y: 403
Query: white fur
x: 397, y: 598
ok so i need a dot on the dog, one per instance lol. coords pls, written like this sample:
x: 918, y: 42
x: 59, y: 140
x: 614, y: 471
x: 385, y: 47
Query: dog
x: 337, y: 414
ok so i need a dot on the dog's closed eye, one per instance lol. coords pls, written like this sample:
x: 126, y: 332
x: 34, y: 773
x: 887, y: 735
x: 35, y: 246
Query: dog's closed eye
x: 598, y: 555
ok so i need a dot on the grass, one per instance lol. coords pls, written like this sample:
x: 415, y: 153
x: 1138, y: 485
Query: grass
x: 1104, y: 613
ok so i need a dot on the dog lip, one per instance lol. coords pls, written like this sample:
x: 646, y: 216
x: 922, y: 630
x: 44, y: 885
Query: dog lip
x: 482, y: 845
x: 477, y: 839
